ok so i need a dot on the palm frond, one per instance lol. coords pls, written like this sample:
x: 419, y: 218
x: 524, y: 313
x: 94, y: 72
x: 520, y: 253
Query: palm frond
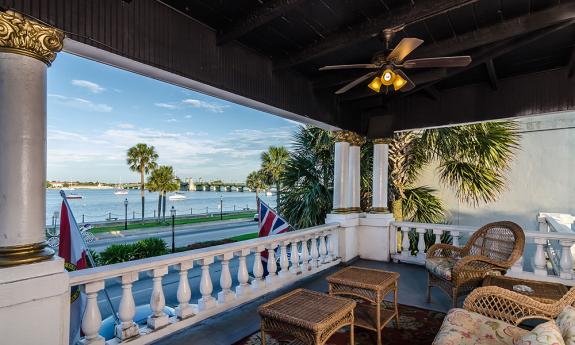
x: 421, y: 205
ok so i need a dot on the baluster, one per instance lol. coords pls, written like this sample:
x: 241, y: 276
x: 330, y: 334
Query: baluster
x: 284, y: 261
x: 127, y: 328
x: 322, y: 249
x: 258, y: 269
x: 226, y: 295
x: 92, y: 320
x: 437, y: 233
x: 405, y: 250
x: 455, y: 235
x: 314, y: 253
x: 566, y: 259
x: 243, y: 275
x: 518, y: 265
x: 305, y: 256
x: 272, y: 267
x: 331, y: 247
x: 184, y: 294
x: 295, y: 268
x: 207, y: 301
x: 157, y: 301
x: 539, y: 260
x: 421, y: 243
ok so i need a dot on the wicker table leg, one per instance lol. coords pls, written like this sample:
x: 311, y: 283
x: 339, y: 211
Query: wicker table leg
x: 395, y: 305
x: 263, y: 333
x: 351, y: 333
x: 378, y: 322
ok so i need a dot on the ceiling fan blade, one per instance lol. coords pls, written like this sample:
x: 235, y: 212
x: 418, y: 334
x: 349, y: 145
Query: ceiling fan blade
x: 356, y: 82
x: 446, y: 61
x: 359, y: 65
x: 410, y: 84
x: 404, y: 48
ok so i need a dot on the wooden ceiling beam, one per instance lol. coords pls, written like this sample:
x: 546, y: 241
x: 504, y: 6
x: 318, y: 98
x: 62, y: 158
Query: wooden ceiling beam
x: 256, y: 18
x: 404, y: 15
x: 491, y: 73
x: 432, y: 93
x: 571, y: 66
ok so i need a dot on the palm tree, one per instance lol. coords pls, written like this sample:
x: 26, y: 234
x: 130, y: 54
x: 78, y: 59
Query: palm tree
x: 163, y: 180
x: 142, y: 158
x: 256, y: 181
x: 273, y: 165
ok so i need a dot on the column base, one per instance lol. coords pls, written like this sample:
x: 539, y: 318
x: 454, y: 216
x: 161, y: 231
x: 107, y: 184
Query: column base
x: 225, y: 296
x: 347, y: 237
x: 184, y: 313
x: 378, y: 210
x: 206, y: 303
x: 374, y: 237
x: 25, y: 254
x: 126, y: 331
x: 155, y: 322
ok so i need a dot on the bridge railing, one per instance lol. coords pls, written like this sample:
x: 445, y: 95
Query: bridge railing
x: 310, y: 251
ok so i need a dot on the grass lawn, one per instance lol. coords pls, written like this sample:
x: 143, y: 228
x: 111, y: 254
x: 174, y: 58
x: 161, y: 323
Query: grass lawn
x: 205, y: 244
x: 137, y: 226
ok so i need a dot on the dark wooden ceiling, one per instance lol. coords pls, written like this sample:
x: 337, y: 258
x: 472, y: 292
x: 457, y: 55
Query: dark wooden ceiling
x: 523, y: 52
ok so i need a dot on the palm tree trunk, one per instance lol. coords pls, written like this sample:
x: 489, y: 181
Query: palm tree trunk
x: 142, y: 189
x: 159, y: 205
x: 277, y: 196
x: 397, y: 208
x: 164, y: 208
x: 257, y: 190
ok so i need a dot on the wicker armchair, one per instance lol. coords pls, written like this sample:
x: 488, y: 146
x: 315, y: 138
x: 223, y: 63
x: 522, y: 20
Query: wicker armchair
x: 512, y: 307
x: 457, y: 271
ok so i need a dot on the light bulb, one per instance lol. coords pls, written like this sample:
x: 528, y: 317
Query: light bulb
x: 375, y: 84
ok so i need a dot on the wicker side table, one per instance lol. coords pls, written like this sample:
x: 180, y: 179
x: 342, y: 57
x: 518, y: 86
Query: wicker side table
x: 372, y: 286
x: 310, y: 316
x: 544, y: 292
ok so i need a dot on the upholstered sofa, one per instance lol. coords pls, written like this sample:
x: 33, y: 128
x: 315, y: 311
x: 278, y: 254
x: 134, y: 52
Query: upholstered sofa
x: 471, y: 326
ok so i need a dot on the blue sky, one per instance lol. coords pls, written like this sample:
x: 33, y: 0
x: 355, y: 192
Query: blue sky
x: 96, y: 112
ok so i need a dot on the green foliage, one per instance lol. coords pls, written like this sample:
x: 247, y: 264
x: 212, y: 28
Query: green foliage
x: 273, y: 165
x: 162, y: 179
x: 95, y: 256
x: 420, y: 205
x: 256, y: 181
x: 146, y: 248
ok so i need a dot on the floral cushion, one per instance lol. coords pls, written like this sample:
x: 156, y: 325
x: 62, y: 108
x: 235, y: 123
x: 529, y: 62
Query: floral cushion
x: 441, y: 267
x: 462, y: 327
x: 544, y: 334
x: 566, y: 323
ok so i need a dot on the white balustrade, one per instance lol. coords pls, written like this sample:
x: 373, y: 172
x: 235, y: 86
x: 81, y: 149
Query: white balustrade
x: 437, y: 233
x: 420, y: 242
x: 206, y: 288
x: 92, y: 319
x: 539, y: 261
x: 331, y: 246
x: 184, y: 293
x: 455, y: 235
x: 566, y: 271
x: 284, y: 261
x: 158, y: 323
x: 158, y: 318
x: 226, y: 294
x: 405, y: 250
x: 243, y: 274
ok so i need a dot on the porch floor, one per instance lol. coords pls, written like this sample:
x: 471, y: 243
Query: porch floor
x: 229, y: 327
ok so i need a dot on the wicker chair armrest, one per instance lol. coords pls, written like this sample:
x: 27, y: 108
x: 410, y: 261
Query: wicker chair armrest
x: 444, y: 250
x: 478, y: 263
x: 508, y: 306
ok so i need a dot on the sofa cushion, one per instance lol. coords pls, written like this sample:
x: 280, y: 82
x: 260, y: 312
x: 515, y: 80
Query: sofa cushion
x: 544, y: 334
x: 566, y: 323
x: 441, y: 267
x: 462, y: 327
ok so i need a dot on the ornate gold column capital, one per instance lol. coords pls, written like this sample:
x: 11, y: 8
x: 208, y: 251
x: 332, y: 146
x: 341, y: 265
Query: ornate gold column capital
x: 350, y: 137
x: 20, y: 35
x: 382, y: 141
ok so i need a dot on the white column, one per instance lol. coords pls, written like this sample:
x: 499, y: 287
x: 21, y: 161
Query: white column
x: 207, y: 301
x: 92, y: 319
x: 294, y: 256
x: 157, y: 300
x: 226, y: 295
x: 184, y: 293
x: 405, y: 250
x: 127, y: 328
x: 258, y: 269
x: 380, y: 176
x: 271, y: 266
x: 341, y: 175
x: 243, y: 274
x: 284, y: 261
x: 305, y: 256
x: 539, y: 260
x: 566, y: 261
x: 314, y: 253
x: 354, y: 184
x: 455, y: 236
x: 421, y: 243
x: 322, y: 249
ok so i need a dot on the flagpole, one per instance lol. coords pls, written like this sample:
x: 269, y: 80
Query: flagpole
x: 89, y: 255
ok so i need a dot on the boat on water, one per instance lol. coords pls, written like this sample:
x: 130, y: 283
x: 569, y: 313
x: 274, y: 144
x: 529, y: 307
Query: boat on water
x: 73, y: 196
x: 121, y: 192
x: 177, y: 196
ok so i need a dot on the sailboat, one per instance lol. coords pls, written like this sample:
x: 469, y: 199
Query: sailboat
x: 120, y: 190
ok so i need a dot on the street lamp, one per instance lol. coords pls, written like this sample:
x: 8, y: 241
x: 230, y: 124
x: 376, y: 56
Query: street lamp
x: 126, y: 214
x: 173, y: 213
x: 221, y: 207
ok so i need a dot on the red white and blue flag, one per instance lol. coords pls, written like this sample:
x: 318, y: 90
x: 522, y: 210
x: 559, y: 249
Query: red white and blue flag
x: 270, y: 223
x: 71, y: 249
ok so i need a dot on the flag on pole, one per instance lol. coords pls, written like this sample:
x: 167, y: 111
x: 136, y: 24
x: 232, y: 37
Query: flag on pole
x: 71, y: 248
x: 269, y: 223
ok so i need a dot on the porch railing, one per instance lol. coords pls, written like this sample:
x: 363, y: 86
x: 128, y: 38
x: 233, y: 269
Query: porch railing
x: 537, y: 242
x: 311, y: 250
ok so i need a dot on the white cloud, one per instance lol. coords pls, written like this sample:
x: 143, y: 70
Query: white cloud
x: 213, y: 107
x: 188, y: 116
x: 165, y: 105
x: 80, y: 103
x: 93, y: 87
x: 172, y: 120
x: 126, y: 125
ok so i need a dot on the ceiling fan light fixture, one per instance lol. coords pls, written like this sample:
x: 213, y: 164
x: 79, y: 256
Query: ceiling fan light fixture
x: 387, y: 77
x: 398, y: 82
x: 375, y: 84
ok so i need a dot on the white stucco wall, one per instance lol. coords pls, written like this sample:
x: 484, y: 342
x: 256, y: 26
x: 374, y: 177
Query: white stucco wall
x: 541, y: 179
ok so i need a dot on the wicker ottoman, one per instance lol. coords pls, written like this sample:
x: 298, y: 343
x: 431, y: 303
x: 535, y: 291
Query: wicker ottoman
x: 310, y: 316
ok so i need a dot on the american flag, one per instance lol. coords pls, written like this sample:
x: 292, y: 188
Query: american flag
x: 270, y: 223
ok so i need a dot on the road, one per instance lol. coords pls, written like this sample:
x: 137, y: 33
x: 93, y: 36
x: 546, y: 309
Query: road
x: 184, y: 234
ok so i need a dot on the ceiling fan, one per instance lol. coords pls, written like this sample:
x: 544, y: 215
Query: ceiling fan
x: 387, y: 65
